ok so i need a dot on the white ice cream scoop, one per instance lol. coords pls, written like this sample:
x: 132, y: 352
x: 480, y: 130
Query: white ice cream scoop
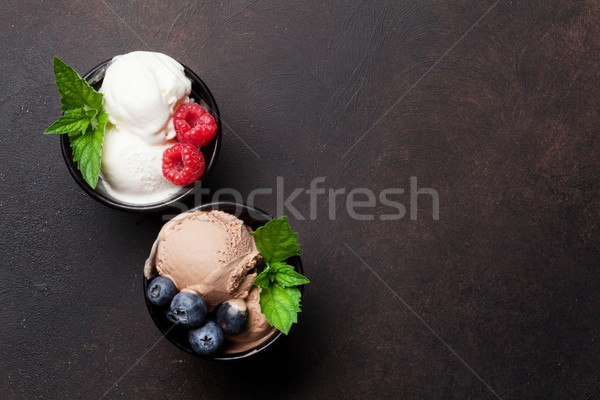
x: 141, y: 91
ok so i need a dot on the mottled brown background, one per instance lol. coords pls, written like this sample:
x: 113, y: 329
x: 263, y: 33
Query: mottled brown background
x: 504, y: 127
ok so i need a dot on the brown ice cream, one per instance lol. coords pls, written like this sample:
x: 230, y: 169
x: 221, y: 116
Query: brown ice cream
x: 212, y: 254
x: 258, y: 330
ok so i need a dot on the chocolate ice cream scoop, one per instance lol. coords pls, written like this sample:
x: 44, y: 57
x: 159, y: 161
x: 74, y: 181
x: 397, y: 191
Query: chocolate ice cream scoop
x: 207, y: 253
x: 213, y: 255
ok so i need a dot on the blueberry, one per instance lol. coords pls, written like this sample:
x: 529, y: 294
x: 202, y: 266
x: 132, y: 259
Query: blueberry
x: 206, y: 340
x: 161, y: 291
x: 187, y: 309
x: 232, y: 319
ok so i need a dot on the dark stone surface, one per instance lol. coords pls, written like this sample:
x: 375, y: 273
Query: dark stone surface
x: 504, y: 127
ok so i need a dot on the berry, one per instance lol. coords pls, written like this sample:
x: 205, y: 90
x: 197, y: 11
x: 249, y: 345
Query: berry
x: 161, y: 291
x: 232, y: 319
x: 182, y: 164
x: 194, y: 125
x: 187, y: 309
x: 206, y: 340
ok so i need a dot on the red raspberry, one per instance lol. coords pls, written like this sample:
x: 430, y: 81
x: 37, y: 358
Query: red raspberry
x: 194, y: 125
x: 182, y: 164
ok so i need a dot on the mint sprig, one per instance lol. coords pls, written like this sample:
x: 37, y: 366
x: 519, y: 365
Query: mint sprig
x: 280, y: 305
x: 84, y: 120
x: 281, y: 273
x: 279, y: 297
x: 275, y: 240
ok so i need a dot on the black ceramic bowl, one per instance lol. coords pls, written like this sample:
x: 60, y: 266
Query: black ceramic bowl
x: 252, y: 217
x: 201, y: 94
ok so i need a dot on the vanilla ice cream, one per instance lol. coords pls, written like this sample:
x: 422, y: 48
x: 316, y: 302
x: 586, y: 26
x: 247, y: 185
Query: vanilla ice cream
x: 132, y: 169
x: 141, y: 92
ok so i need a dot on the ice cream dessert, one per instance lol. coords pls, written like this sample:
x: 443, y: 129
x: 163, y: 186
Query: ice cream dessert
x: 212, y: 255
x: 139, y: 139
x: 141, y: 90
x: 208, y: 253
x: 142, y: 93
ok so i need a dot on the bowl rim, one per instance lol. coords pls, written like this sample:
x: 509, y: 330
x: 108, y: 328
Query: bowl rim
x: 154, y: 207
x: 223, y: 206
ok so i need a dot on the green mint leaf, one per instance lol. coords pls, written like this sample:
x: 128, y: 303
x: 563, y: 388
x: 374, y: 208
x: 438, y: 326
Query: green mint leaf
x: 279, y: 298
x: 281, y: 273
x: 74, y: 120
x: 74, y: 91
x: 285, y: 275
x: 87, y: 149
x: 275, y: 240
x: 84, y: 120
x: 280, y: 305
x: 263, y: 279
